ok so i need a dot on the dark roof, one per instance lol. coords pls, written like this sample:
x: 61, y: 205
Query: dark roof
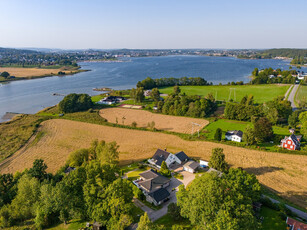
x: 160, y: 156
x: 234, y: 132
x: 295, y: 140
x: 192, y: 165
x: 159, y: 194
x: 182, y: 156
x: 69, y: 169
x: 152, y: 180
x: 298, y: 137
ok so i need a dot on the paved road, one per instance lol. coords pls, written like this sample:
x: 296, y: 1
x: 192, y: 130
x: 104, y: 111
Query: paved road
x: 298, y: 212
x: 288, y: 91
x: 292, y: 95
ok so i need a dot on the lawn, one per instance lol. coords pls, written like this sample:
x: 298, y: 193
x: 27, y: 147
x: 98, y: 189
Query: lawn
x: 73, y: 224
x: 97, y: 98
x: 261, y: 93
x: 301, y: 94
x: 168, y: 222
x: 226, y: 125
x: 272, y: 220
x: 135, y: 174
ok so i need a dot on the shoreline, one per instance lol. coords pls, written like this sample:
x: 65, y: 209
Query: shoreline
x: 42, y: 76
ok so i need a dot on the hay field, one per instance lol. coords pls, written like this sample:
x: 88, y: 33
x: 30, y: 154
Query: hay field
x: 142, y: 118
x: 284, y: 173
x: 31, y: 72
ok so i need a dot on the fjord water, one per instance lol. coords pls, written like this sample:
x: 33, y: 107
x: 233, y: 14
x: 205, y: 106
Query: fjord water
x: 30, y: 96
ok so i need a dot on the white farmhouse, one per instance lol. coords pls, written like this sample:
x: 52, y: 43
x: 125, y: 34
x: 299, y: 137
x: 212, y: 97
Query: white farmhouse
x: 234, y: 135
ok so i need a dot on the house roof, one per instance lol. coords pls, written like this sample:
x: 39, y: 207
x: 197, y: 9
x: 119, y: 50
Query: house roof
x: 159, y: 194
x: 152, y: 180
x: 296, y: 225
x: 234, y: 132
x: 160, y: 156
x: 182, y: 156
x: 192, y: 165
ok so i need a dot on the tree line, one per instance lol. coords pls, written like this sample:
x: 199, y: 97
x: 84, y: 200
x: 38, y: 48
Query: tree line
x: 182, y: 105
x: 150, y: 83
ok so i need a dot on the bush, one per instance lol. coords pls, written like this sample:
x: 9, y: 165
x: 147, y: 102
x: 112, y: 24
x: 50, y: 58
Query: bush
x: 75, y: 102
x: 268, y: 203
x: 218, y: 134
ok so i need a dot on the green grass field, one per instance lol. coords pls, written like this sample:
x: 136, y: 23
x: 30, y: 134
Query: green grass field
x: 227, y: 125
x: 261, y: 93
x: 167, y: 221
x: 272, y: 221
x: 301, y: 94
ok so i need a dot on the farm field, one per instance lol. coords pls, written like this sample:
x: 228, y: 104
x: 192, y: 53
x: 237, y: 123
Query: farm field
x: 33, y: 72
x: 283, y: 173
x: 301, y: 94
x: 142, y: 118
x: 261, y: 93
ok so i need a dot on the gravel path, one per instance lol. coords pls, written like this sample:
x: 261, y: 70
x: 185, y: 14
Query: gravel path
x: 292, y: 95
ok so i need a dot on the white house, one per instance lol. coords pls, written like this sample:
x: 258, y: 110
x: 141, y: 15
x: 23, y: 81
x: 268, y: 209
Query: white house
x: 169, y: 158
x: 234, y: 135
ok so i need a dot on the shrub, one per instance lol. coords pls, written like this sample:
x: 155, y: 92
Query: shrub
x: 75, y: 102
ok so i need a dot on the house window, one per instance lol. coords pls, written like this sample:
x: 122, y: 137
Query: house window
x: 291, y: 147
x: 286, y: 145
x: 289, y: 142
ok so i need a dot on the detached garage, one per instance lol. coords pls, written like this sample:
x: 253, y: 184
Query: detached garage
x: 190, y: 166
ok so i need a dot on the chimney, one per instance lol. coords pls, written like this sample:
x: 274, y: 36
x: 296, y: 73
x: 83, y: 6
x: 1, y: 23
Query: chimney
x: 165, y: 149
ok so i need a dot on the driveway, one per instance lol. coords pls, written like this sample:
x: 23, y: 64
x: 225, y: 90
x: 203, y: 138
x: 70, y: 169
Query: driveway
x: 292, y: 96
x: 187, y: 177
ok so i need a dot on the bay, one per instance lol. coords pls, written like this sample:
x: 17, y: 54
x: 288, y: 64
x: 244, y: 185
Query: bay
x: 30, y: 96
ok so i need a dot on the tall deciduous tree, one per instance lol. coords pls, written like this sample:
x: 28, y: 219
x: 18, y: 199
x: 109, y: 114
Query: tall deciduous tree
x: 226, y: 202
x: 263, y: 130
x: 155, y: 95
x: 218, y: 134
x: 249, y: 135
x: 217, y: 160
x: 164, y: 169
x: 38, y: 169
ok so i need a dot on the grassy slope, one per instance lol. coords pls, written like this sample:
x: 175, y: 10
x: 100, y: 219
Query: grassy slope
x: 301, y: 93
x: 261, y: 93
x: 15, y: 134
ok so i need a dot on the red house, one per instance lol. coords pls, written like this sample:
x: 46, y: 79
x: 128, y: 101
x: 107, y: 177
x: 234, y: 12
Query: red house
x: 292, y: 142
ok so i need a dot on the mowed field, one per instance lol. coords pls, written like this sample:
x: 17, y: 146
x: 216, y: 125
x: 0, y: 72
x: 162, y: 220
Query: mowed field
x: 301, y: 93
x: 142, y: 118
x: 261, y: 93
x: 31, y: 72
x: 284, y: 173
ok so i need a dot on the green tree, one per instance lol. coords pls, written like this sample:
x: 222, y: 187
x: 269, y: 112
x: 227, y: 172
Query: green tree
x: 5, y: 74
x: 255, y: 72
x: 155, y: 95
x: 38, y: 169
x: 75, y: 102
x: 138, y: 94
x: 25, y: 203
x: 174, y: 211
x: 164, y: 170
x: 7, y: 188
x: 217, y: 160
x: 218, y: 134
x: 77, y: 158
x: 263, y: 130
x: 145, y: 223
x: 176, y: 90
x: 294, y: 119
x: 249, y: 136
x: 226, y: 202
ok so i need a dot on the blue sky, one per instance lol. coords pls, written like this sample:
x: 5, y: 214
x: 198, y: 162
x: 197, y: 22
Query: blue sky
x: 76, y: 24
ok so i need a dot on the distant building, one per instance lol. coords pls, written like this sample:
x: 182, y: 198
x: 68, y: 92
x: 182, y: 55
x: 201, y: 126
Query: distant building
x: 111, y: 100
x: 234, y: 135
x: 203, y: 163
x: 147, y: 93
x: 169, y: 158
x: 292, y: 142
